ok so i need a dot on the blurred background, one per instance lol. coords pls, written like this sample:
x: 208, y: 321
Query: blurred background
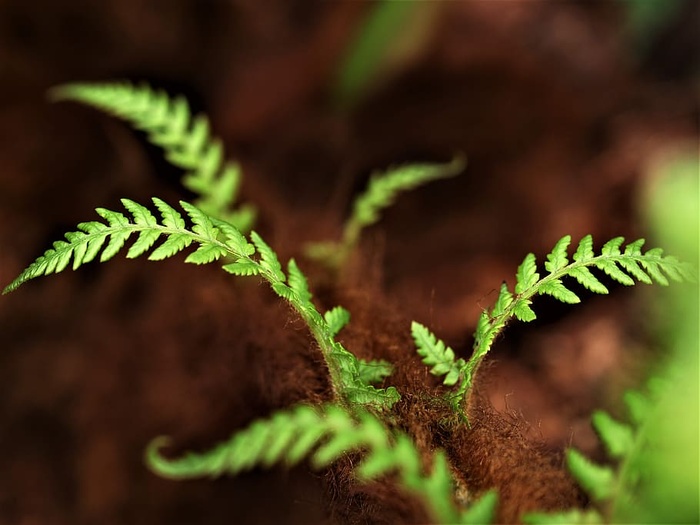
x: 565, y: 110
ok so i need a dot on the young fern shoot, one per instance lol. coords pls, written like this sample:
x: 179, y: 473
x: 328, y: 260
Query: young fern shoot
x: 186, y: 139
x: 622, y: 266
x: 351, y: 378
x: 324, y: 434
x: 380, y: 194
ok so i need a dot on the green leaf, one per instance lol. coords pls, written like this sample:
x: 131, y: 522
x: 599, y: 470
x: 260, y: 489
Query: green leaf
x: 597, y: 480
x: 584, y: 276
x: 611, y: 269
x: 336, y: 319
x: 371, y: 372
x: 505, y: 299
x: 523, y: 312
x: 205, y: 254
x: 556, y: 289
x: 482, y: 510
x: 436, y: 354
x: 526, y: 276
x: 268, y: 258
x: 297, y: 281
x: 584, y: 251
x: 617, y: 437
x: 243, y: 267
x: 175, y: 243
x: 556, y: 260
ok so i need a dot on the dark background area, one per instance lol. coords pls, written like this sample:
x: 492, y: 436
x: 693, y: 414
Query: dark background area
x: 560, y: 107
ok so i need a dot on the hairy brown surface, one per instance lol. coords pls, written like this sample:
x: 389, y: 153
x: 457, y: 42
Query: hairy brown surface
x: 558, y: 119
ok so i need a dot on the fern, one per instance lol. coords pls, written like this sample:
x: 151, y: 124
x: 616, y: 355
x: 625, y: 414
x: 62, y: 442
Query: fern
x: 622, y: 266
x: 351, y: 378
x: 186, y: 139
x: 380, y: 194
x: 324, y: 434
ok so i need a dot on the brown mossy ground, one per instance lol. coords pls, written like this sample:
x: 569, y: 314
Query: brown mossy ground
x: 558, y: 122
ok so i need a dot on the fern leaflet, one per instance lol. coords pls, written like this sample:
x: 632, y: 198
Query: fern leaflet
x: 325, y: 434
x: 187, y: 141
x: 436, y: 354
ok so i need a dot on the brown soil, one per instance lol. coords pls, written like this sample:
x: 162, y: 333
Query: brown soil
x: 559, y: 121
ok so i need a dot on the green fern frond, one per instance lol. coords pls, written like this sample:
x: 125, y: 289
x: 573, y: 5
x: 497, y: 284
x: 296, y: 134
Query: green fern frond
x: 623, y: 267
x: 216, y: 239
x: 84, y: 245
x: 186, y: 139
x: 324, y: 435
x: 381, y: 192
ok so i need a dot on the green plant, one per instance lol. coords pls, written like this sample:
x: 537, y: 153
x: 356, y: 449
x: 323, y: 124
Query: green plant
x: 359, y: 416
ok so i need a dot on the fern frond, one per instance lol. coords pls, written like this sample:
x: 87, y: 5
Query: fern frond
x: 623, y: 267
x: 324, y: 435
x: 216, y: 239
x: 85, y: 244
x: 381, y: 192
x: 186, y: 139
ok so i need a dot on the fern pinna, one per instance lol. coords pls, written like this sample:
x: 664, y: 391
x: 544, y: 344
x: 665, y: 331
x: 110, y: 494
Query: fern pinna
x: 186, y: 140
x: 324, y: 434
x: 621, y: 266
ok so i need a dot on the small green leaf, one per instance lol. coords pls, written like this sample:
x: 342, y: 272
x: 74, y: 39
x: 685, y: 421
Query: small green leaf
x: 611, y: 269
x: 556, y: 289
x: 205, y: 254
x: 483, y: 510
x: 526, y: 276
x: 436, y: 354
x: 268, y: 258
x: 584, y: 252
x: 505, y: 299
x: 584, y: 276
x: 243, y: 267
x: 556, y: 260
x: 617, y: 437
x: 523, y: 312
x: 336, y: 319
x: 371, y: 372
x: 175, y: 243
x: 297, y: 281
x: 597, y: 480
